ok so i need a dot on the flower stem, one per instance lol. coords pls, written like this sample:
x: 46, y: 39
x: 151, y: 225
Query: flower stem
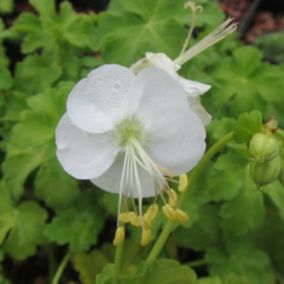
x: 117, y: 262
x: 218, y: 146
x: 61, y: 268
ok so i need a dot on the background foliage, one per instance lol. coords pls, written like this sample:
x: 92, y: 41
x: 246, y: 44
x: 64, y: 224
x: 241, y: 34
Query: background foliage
x: 235, y: 234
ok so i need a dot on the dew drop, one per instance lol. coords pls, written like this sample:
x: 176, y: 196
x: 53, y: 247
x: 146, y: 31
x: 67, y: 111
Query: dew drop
x: 116, y: 86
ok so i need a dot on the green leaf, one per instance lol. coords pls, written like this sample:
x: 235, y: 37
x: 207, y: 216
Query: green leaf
x: 247, y: 125
x: 32, y: 139
x: 84, y: 264
x: 164, y: 271
x: 244, y: 213
x: 32, y: 76
x: 29, y: 221
x: 244, y: 83
x: 243, y: 260
x: 78, y: 225
x: 276, y: 193
x: 129, y: 28
x: 54, y: 186
x: 6, y: 6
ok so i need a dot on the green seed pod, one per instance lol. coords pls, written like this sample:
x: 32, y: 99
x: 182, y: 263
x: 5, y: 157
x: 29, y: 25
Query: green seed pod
x: 263, y: 147
x: 265, y: 172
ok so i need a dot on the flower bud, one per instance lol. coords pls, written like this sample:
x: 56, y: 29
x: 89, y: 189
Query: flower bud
x: 263, y: 147
x: 265, y: 172
x: 119, y: 236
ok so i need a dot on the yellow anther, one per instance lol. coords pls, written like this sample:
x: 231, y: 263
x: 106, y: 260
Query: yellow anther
x: 183, y: 182
x: 151, y: 212
x: 165, y: 172
x: 119, y: 236
x: 146, y: 237
x: 182, y: 216
x: 125, y: 217
x: 173, y: 198
x: 135, y: 220
x: 169, y: 212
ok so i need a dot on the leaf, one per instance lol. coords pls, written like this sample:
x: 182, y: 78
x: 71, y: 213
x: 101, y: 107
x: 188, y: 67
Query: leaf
x: 54, y: 186
x: 243, y: 83
x: 164, y: 271
x: 78, y: 225
x: 244, y: 213
x: 29, y: 221
x: 32, y: 76
x: 247, y: 125
x: 129, y: 28
x: 32, y: 139
x: 6, y: 6
x: 89, y: 265
x: 276, y: 193
x: 243, y: 260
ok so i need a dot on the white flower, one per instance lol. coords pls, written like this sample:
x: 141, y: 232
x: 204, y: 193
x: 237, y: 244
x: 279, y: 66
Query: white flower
x: 193, y: 89
x: 125, y: 131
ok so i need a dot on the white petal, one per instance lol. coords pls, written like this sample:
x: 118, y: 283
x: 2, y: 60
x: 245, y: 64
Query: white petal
x: 193, y: 88
x: 162, y: 61
x: 103, y: 97
x: 176, y: 140
x: 199, y: 110
x: 110, y: 180
x: 160, y: 90
x: 83, y: 155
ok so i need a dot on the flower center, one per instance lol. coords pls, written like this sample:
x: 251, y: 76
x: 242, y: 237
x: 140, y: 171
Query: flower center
x: 128, y: 129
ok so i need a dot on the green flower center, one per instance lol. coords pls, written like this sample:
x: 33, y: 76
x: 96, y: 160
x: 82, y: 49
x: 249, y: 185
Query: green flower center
x: 128, y: 129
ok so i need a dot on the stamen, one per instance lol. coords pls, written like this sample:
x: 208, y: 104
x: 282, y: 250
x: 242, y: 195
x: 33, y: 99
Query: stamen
x: 182, y: 216
x: 194, y: 8
x: 169, y: 212
x: 173, y: 198
x: 183, y: 183
x: 146, y: 237
x: 119, y: 236
x: 217, y: 35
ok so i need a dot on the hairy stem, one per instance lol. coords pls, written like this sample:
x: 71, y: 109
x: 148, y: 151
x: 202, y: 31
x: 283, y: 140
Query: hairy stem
x: 161, y: 240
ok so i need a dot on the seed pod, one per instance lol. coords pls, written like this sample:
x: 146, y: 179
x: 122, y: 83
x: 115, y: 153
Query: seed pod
x: 263, y: 147
x: 266, y: 172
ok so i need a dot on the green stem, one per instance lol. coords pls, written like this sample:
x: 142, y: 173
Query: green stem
x: 160, y: 242
x: 197, y: 263
x: 117, y: 262
x: 61, y: 268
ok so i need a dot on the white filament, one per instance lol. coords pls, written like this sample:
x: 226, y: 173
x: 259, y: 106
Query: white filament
x: 218, y: 34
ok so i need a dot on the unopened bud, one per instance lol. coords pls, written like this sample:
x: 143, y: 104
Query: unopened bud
x: 169, y: 212
x: 263, y: 147
x: 181, y: 216
x: 265, y: 172
x: 119, y: 236
x: 183, y: 182
x: 152, y: 212
x: 146, y: 237
x: 173, y: 198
